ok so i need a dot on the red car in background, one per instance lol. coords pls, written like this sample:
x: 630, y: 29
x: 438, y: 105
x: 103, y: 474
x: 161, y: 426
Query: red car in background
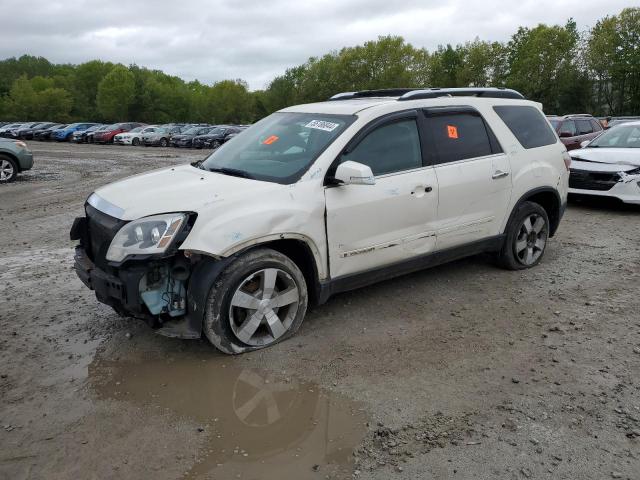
x: 575, y: 129
x: 106, y: 134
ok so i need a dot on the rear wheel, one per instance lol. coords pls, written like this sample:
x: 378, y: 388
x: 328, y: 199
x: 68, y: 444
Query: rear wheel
x: 257, y: 301
x: 215, y: 144
x: 163, y: 142
x: 527, y: 236
x: 8, y: 169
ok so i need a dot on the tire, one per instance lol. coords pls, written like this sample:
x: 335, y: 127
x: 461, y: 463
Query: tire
x: 163, y: 142
x: 230, y: 322
x: 215, y: 144
x: 135, y: 142
x: 527, y: 235
x: 8, y: 169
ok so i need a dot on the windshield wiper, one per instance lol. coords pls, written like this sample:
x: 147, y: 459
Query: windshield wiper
x: 231, y: 171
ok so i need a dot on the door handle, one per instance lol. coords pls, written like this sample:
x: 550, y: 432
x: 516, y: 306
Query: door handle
x: 499, y: 174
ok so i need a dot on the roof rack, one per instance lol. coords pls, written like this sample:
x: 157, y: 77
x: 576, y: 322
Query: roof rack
x: 385, y: 92
x: 423, y: 93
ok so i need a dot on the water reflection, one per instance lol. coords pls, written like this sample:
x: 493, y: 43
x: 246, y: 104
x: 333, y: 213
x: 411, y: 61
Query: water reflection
x: 259, y: 425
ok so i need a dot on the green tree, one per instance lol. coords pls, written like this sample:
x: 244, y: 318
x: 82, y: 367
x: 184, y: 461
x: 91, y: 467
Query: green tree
x: 613, y: 58
x: 116, y: 92
x: 539, y: 58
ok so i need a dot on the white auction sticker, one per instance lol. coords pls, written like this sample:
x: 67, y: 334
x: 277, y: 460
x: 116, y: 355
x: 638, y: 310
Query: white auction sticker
x: 322, y: 125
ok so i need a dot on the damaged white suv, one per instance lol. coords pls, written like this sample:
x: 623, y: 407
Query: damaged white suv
x: 321, y: 198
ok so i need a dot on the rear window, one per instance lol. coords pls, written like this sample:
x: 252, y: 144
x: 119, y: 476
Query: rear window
x: 527, y: 124
x: 584, y: 127
x: 459, y: 136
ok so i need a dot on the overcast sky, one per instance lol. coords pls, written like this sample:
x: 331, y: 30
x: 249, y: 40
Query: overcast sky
x: 256, y: 40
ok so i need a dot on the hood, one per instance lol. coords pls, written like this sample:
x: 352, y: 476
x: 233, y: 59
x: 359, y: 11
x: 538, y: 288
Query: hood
x: 178, y: 189
x: 612, y: 156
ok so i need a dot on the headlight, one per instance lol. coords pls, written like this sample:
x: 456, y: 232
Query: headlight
x: 145, y: 236
x: 21, y: 144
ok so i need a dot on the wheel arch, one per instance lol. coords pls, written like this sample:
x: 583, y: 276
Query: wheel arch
x: 549, y: 199
x: 299, y: 248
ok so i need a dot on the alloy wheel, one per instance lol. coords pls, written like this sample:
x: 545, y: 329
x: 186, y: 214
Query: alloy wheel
x: 531, y: 239
x: 264, y: 306
x: 7, y: 170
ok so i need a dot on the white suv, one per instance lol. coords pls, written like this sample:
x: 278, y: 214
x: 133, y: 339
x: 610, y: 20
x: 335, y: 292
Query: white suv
x: 321, y: 198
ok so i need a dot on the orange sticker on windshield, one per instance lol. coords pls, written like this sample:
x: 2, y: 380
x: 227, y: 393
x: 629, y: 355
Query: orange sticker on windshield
x: 452, y: 131
x: 271, y: 139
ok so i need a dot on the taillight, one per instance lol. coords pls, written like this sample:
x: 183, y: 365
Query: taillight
x: 567, y: 160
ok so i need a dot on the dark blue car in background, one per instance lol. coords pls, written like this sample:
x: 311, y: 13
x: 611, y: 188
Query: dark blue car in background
x: 64, y: 134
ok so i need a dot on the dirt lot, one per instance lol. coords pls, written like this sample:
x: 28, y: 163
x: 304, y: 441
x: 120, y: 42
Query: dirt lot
x: 464, y: 371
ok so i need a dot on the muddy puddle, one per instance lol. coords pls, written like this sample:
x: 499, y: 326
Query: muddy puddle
x: 257, y: 425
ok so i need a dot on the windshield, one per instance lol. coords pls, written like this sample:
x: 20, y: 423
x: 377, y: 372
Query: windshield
x: 193, y: 131
x: 280, y: 147
x: 623, y: 136
x: 136, y: 130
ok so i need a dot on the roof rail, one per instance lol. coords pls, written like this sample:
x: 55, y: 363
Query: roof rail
x: 385, y: 92
x: 492, y: 92
x: 422, y: 93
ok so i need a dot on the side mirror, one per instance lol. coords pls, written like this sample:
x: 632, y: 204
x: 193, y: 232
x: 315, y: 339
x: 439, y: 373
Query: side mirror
x: 354, y: 173
x: 585, y: 143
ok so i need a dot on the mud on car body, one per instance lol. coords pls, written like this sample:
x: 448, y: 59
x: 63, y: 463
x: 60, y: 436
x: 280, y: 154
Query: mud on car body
x: 321, y: 198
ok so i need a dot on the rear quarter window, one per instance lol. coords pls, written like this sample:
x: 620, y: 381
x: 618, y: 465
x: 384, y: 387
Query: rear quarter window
x: 527, y: 124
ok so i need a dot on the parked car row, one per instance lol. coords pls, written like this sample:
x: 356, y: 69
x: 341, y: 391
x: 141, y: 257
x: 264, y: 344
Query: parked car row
x: 125, y: 133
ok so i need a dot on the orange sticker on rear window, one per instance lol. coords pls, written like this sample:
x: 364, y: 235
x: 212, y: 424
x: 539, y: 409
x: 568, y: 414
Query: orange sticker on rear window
x: 452, y: 131
x: 271, y: 139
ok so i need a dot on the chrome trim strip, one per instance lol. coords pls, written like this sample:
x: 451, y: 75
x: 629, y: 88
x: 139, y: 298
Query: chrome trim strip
x: 101, y: 204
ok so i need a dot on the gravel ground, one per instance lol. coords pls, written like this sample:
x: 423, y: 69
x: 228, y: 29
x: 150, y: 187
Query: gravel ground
x: 464, y: 371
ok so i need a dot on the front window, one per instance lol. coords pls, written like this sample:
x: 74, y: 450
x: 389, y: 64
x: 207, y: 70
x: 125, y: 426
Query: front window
x: 280, y: 147
x: 624, y: 136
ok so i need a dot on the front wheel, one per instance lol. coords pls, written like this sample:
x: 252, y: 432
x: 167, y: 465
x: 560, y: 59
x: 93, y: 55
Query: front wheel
x: 215, y: 144
x: 526, y: 237
x: 8, y: 169
x: 135, y: 142
x: 257, y: 301
x: 163, y: 142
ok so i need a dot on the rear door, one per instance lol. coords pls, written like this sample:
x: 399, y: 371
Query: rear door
x: 473, y: 173
x: 568, y: 133
x: 370, y: 226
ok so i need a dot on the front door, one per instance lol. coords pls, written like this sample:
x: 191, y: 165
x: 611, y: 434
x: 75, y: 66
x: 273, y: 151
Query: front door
x: 370, y: 226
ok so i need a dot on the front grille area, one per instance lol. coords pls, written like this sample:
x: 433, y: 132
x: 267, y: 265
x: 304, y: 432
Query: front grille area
x: 101, y: 230
x: 585, y: 180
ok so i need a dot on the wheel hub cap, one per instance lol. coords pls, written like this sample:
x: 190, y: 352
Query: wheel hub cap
x: 531, y: 239
x: 263, y: 307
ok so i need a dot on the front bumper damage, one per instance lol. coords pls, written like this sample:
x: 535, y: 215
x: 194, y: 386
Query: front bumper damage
x: 169, y: 293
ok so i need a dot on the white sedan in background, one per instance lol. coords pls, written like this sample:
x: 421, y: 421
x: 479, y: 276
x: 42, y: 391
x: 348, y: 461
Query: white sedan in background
x: 609, y: 165
x: 132, y: 137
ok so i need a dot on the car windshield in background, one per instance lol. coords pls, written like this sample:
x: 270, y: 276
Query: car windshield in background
x: 623, y: 136
x: 136, y: 130
x: 279, y: 148
x: 554, y: 123
x: 192, y: 131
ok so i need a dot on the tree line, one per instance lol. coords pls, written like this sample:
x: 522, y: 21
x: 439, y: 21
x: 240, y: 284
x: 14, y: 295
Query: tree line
x: 596, y: 71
